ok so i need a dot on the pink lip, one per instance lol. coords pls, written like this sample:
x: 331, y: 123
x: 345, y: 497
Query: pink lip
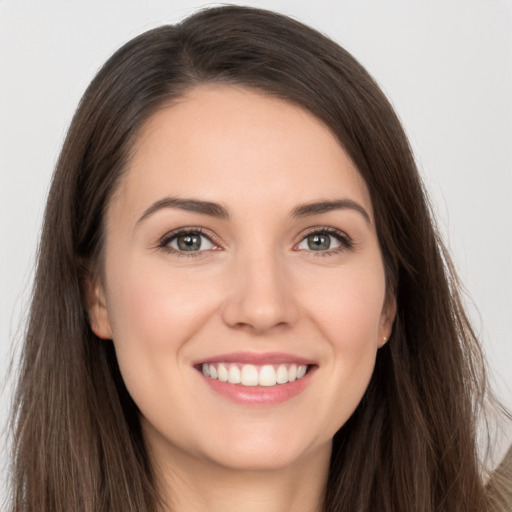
x: 258, y: 395
x: 256, y: 358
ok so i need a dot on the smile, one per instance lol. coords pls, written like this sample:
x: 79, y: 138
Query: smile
x: 257, y: 379
x: 266, y: 375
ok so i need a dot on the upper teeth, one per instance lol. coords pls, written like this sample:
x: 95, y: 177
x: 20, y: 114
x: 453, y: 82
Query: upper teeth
x: 251, y: 375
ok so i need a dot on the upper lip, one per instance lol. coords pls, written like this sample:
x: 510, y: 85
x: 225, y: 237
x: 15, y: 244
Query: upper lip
x: 256, y: 358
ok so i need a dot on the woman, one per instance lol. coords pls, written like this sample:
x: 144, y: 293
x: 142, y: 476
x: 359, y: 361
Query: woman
x: 241, y: 300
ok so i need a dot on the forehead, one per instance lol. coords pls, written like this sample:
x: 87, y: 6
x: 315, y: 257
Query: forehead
x: 240, y: 147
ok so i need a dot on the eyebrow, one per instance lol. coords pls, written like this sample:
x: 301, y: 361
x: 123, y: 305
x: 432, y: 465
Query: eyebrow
x: 320, y: 207
x: 189, y: 205
x: 216, y: 210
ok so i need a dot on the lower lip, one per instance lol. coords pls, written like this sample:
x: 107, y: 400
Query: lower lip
x: 259, y: 395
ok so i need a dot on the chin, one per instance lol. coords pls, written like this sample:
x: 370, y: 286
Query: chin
x: 265, y: 451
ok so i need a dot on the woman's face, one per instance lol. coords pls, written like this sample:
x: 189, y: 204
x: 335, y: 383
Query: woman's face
x: 241, y: 240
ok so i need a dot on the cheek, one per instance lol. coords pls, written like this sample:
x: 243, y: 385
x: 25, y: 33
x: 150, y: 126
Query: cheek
x: 347, y: 311
x: 348, y: 307
x: 154, y: 314
x: 155, y: 308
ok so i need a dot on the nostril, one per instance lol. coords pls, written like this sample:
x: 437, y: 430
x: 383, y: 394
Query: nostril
x: 259, y: 306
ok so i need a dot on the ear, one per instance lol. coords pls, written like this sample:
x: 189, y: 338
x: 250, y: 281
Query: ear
x: 387, y: 319
x: 97, y: 308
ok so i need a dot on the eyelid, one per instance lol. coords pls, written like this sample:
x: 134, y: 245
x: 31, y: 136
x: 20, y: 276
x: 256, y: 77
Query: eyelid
x: 163, y: 242
x: 346, y: 241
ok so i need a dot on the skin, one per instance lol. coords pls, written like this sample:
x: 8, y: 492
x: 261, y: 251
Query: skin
x: 258, y: 286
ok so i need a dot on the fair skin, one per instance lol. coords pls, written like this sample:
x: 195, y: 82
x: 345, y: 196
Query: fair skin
x: 258, y: 279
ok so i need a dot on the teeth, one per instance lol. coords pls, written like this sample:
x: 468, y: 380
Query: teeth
x: 222, y: 373
x: 267, y: 376
x: 282, y: 375
x: 234, y: 375
x: 250, y: 375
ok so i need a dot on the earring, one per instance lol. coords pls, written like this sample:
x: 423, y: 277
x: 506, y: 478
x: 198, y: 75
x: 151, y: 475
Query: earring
x: 384, y: 342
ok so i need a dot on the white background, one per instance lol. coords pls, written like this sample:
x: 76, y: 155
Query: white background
x: 446, y: 65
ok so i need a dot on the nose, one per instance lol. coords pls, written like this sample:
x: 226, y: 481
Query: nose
x: 260, y: 296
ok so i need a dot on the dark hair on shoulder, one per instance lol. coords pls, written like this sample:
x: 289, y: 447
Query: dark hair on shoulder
x: 411, y: 443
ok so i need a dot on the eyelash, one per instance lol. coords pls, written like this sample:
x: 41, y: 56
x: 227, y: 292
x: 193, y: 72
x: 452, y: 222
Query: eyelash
x: 169, y: 237
x: 346, y: 243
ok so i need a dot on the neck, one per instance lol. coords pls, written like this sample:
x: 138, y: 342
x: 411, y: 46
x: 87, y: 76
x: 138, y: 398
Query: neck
x: 203, y: 486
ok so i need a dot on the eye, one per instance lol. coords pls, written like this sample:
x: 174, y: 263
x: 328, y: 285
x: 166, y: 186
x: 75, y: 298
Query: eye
x: 324, y: 241
x: 188, y: 241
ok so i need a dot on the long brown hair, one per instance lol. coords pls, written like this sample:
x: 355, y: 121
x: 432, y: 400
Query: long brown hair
x: 409, y: 446
x: 500, y: 485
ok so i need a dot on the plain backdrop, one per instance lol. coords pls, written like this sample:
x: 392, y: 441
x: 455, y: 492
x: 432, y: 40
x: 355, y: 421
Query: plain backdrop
x: 446, y: 66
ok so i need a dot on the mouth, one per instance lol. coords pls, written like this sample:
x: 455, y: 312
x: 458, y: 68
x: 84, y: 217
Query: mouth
x: 250, y: 375
x: 262, y: 379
